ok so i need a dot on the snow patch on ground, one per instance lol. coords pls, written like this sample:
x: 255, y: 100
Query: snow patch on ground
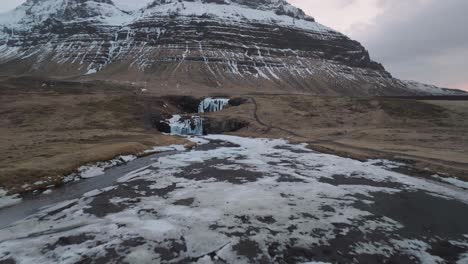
x: 91, y: 71
x: 48, y: 191
x: 166, y: 148
x: 8, y: 200
x: 385, y: 163
x: 98, y: 169
x: 266, y: 190
x: 198, y: 140
x: 90, y: 171
x: 453, y: 181
x: 419, y: 249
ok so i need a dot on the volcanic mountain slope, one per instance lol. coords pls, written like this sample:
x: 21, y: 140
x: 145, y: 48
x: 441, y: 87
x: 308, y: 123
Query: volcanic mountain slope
x: 182, y: 46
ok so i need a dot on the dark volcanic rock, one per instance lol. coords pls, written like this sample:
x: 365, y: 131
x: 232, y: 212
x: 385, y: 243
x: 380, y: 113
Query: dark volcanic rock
x: 237, y: 101
x: 219, y: 126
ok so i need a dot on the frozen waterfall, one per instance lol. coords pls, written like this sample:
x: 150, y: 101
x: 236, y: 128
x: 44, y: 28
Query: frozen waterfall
x: 194, y: 125
x: 212, y: 104
x: 191, y: 126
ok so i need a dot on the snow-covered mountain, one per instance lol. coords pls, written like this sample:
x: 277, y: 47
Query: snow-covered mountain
x: 422, y: 88
x: 186, y: 45
x: 42, y: 15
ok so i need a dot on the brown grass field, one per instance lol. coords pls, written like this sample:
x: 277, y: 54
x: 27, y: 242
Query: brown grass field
x: 49, y: 129
x: 48, y: 133
x: 432, y: 136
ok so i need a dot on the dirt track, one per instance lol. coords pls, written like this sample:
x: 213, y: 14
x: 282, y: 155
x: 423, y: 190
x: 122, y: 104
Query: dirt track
x: 269, y: 126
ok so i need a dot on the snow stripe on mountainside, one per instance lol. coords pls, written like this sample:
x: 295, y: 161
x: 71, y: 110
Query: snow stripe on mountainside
x: 266, y: 45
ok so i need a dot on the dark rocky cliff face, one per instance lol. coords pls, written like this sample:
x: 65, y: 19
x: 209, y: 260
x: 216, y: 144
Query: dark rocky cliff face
x: 266, y: 44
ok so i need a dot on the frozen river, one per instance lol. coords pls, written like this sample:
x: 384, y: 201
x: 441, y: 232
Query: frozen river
x: 242, y: 200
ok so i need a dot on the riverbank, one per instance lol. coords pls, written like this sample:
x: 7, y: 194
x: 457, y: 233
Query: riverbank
x: 48, y: 131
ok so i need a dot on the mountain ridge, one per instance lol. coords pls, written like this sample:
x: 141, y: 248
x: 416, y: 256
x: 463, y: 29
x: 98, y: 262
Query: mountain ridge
x: 214, y: 44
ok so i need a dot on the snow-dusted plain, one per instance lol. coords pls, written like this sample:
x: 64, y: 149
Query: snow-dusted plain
x: 241, y: 200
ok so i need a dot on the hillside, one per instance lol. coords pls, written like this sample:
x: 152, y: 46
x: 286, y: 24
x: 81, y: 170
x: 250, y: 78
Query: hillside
x: 194, y: 46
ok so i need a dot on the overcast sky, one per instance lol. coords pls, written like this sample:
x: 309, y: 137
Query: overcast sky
x: 423, y: 40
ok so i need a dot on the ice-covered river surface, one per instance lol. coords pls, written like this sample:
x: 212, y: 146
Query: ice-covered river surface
x: 241, y: 200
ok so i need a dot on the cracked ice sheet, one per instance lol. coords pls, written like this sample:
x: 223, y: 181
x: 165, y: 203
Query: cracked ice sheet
x: 164, y: 213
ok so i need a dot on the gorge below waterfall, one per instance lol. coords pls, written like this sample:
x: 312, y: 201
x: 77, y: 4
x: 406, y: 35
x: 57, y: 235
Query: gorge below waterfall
x: 194, y: 125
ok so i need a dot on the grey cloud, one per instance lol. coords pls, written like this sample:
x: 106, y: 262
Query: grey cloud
x: 423, y: 40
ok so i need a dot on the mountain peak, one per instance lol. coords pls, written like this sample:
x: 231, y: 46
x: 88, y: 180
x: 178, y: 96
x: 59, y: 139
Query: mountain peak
x: 34, y: 12
x: 280, y: 7
x: 273, y: 12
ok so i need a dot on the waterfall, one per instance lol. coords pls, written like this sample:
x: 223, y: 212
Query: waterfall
x: 212, y: 105
x: 191, y: 126
x: 194, y: 125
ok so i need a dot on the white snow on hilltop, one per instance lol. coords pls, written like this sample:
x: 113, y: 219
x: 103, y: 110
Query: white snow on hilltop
x: 131, y: 5
x: 233, y: 11
x: 33, y: 13
x: 432, y: 89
